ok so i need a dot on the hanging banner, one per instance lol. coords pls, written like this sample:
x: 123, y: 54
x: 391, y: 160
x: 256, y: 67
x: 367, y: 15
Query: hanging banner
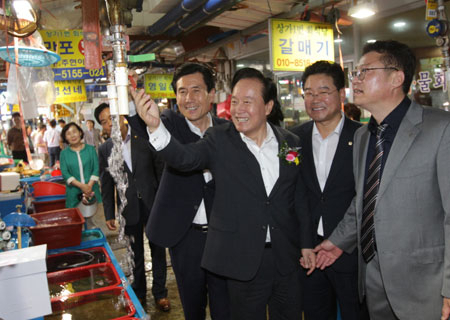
x: 69, y: 45
x: 431, y: 11
x: 294, y: 45
x: 159, y: 86
x: 70, y: 91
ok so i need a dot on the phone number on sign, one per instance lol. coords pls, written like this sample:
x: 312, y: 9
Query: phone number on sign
x: 78, y: 73
x: 285, y: 62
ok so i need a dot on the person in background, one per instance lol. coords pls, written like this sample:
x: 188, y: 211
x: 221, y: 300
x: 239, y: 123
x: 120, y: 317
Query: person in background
x: 276, y: 116
x: 79, y: 168
x: 399, y: 220
x: 143, y: 171
x: 92, y: 134
x: 30, y: 140
x: 180, y: 221
x: 327, y: 144
x: 15, y: 139
x: 61, y: 124
x: 352, y: 111
x: 52, y: 138
x: 41, y: 146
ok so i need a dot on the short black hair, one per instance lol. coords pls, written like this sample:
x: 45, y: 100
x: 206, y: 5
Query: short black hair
x: 42, y: 126
x: 395, y: 54
x: 15, y: 114
x: 53, y: 123
x: 269, y: 91
x: 90, y: 120
x: 61, y: 121
x: 191, y: 68
x: 99, y: 110
x: 67, y: 127
x: 332, y: 69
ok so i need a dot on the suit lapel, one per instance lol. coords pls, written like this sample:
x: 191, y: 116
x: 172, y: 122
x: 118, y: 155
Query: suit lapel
x: 405, y: 136
x: 308, y: 154
x: 343, y: 148
x: 361, y: 161
x: 134, y: 157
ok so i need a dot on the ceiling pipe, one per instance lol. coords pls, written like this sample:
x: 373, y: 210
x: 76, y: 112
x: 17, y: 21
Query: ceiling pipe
x: 197, y: 16
x: 173, y: 15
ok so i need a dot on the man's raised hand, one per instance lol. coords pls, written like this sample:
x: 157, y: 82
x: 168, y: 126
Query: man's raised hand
x: 146, y: 108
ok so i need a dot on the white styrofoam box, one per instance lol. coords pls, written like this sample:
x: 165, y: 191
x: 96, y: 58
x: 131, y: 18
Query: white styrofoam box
x: 10, y: 196
x: 9, y: 181
x: 24, y: 290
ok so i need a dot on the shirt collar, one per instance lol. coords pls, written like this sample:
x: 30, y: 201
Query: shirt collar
x: 337, y: 130
x: 393, y: 119
x: 195, y: 129
x: 269, y: 137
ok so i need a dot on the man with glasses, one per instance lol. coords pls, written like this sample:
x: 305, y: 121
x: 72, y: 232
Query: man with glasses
x: 326, y: 168
x: 399, y: 219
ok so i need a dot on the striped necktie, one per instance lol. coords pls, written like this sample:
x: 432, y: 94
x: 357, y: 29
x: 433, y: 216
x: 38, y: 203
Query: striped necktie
x: 370, y: 197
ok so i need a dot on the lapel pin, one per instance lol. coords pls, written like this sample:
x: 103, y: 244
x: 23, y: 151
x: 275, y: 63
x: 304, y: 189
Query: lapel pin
x: 135, y: 137
x: 350, y: 143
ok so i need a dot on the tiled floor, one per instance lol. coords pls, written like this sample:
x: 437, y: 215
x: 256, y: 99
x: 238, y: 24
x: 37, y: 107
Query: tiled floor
x: 176, y: 312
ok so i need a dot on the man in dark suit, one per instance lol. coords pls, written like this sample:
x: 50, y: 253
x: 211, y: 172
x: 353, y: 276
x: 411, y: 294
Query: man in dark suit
x: 180, y: 214
x: 143, y: 170
x: 258, y: 220
x: 400, y: 217
x: 326, y: 168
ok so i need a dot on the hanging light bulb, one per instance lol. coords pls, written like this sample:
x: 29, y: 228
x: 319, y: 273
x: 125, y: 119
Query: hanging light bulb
x: 363, y: 9
x: 20, y: 19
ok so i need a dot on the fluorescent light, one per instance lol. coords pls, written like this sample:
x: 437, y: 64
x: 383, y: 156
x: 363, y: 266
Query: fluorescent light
x: 371, y: 41
x: 240, y: 65
x: 363, y: 9
x: 338, y: 40
x: 399, y: 24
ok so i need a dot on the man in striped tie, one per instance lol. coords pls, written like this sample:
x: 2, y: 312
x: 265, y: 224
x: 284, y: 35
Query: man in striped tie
x: 400, y: 215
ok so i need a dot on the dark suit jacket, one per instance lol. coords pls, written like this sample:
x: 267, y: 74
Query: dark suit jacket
x: 180, y: 193
x: 339, y: 190
x: 241, y: 210
x: 142, y: 182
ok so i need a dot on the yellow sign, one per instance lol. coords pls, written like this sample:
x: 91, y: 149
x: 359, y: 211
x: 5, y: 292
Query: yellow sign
x: 159, y: 86
x: 431, y: 11
x: 70, y: 46
x: 70, y: 91
x: 297, y: 44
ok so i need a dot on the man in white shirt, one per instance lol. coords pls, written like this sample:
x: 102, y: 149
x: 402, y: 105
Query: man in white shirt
x: 259, y: 224
x: 327, y: 144
x: 52, y: 138
x: 180, y: 214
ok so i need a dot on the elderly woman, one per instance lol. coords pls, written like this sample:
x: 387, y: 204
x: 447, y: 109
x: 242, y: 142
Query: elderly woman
x: 79, y: 167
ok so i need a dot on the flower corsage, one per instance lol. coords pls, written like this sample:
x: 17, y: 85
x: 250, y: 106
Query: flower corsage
x: 288, y: 154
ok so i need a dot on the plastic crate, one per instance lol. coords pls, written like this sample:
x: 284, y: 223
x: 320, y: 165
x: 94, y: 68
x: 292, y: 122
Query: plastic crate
x: 45, y: 188
x: 58, y: 228
x: 72, y: 282
x: 49, y: 205
x: 93, y: 237
x: 88, y: 303
x: 73, y: 259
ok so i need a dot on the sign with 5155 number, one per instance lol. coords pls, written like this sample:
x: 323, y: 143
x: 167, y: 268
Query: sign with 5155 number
x: 70, y: 46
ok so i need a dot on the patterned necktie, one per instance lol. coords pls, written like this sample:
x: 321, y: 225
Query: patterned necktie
x: 370, y: 197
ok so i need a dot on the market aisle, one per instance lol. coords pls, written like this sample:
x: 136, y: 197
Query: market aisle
x: 176, y: 312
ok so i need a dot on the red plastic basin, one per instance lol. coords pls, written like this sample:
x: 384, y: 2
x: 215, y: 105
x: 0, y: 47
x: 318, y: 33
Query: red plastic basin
x: 46, y: 188
x: 43, y: 206
x: 93, y: 278
x: 58, y: 228
x: 93, y: 305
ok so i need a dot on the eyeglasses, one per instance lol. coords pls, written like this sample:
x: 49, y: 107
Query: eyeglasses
x: 321, y: 94
x: 361, y: 74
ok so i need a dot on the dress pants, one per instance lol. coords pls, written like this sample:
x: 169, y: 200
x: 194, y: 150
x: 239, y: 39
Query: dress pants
x: 54, y: 155
x: 195, y: 284
x: 282, y: 293
x: 377, y: 300
x: 324, y: 289
x: 159, y: 264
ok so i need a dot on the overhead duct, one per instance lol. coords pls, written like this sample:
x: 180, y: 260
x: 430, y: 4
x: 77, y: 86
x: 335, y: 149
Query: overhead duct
x: 173, y: 15
x: 197, y: 16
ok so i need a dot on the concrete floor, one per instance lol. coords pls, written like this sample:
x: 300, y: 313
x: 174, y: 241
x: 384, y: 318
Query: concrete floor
x: 176, y: 312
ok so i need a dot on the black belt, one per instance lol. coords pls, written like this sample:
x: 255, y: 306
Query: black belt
x: 201, y: 227
x: 268, y: 245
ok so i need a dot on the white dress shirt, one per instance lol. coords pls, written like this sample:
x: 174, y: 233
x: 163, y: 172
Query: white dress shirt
x: 126, y: 150
x: 160, y: 138
x: 323, y: 151
x: 51, y: 137
x: 267, y: 157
